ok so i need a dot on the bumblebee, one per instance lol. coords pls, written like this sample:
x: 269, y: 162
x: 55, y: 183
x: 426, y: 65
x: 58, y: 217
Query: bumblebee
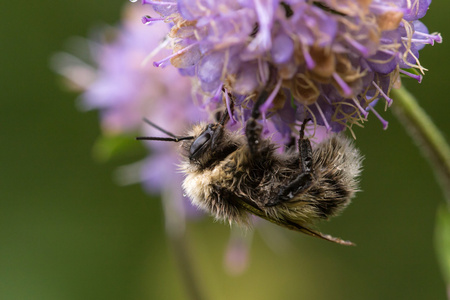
x: 231, y: 175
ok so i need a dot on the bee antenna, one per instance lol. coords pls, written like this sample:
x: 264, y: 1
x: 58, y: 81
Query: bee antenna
x: 173, y: 137
x: 159, y: 128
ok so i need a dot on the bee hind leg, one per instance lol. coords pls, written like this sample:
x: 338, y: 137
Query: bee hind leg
x: 304, y: 179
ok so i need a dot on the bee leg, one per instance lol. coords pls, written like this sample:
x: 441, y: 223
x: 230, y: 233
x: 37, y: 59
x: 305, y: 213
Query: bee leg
x: 252, y: 128
x: 305, y: 150
x: 253, y: 132
x: 302, y: 181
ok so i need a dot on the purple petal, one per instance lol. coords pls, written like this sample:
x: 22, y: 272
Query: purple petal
x: 282, y: 48
x: 246, y: 79
x: 382, y: 62
x: 210, y: 70
x: 189, y: 9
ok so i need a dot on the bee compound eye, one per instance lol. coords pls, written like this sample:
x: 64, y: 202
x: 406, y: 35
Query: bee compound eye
x: 199, y: 142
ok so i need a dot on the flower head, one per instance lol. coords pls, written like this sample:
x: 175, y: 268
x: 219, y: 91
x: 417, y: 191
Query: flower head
x: 327, y: 60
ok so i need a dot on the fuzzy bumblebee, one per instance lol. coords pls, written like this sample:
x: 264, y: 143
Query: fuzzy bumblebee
x: 231, y: 175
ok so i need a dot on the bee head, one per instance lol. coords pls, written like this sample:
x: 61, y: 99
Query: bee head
x: 205, y: 145
x: 202, y: 142
x: 211, y: 144
x: 207, y: 140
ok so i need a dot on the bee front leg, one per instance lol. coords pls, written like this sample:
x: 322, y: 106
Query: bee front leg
x: 253, y: 129
x: 302, y: 181
x: 253, y: 132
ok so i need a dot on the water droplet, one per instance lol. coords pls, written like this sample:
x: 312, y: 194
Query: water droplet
x: 133, y: 1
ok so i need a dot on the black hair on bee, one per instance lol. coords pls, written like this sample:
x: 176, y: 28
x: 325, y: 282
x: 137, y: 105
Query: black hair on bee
x: 231, y: 175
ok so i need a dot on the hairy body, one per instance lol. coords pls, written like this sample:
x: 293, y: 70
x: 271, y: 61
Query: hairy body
x: 230, y: 181
x: 232, y: 175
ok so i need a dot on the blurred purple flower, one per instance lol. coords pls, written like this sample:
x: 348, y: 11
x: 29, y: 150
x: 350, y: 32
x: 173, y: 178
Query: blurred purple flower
x: 125, y: 89
x: 237, y: 258
x: 326, y: 60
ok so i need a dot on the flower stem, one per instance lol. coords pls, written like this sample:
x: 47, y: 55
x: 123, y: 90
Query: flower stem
x: 433, y: 145
x: 425, y: 133
x: 186, y: 267
x: 176, y: 232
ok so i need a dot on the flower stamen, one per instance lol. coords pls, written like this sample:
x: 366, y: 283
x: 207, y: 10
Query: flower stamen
x: 383, y: 121
x: 434, y: 37
x: 271, y: 97
x: 345, y: 87
x: 388, y: 100
x: 363, y: 50
x: 156, y: 2
x: 327, y: 126
x: 159, y: 63
x: 414, y: 76
x: 155, y: 51
x: 310, y: 63
x: 361, y: 109
x: 147, y: 20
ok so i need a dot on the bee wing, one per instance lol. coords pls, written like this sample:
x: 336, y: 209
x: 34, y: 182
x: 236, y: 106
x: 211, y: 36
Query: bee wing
x: 251, y: 207
x: 318, y: 234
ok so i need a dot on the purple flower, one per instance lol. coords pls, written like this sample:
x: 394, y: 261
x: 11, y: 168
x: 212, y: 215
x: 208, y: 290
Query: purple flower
x: 325, y: 60
x: 125, y: 88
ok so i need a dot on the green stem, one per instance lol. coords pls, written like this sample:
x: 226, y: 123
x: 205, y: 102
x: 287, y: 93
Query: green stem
x: 425, y: 133
x: 176, y: 233
x: 432, y: 143
x: 186, y: 267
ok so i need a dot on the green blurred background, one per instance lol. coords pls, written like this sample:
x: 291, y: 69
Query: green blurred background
x: 67, y: 231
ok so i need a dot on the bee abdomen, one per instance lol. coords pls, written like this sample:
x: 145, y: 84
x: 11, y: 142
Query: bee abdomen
x: 338, y: 164
x: 331, y: 197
